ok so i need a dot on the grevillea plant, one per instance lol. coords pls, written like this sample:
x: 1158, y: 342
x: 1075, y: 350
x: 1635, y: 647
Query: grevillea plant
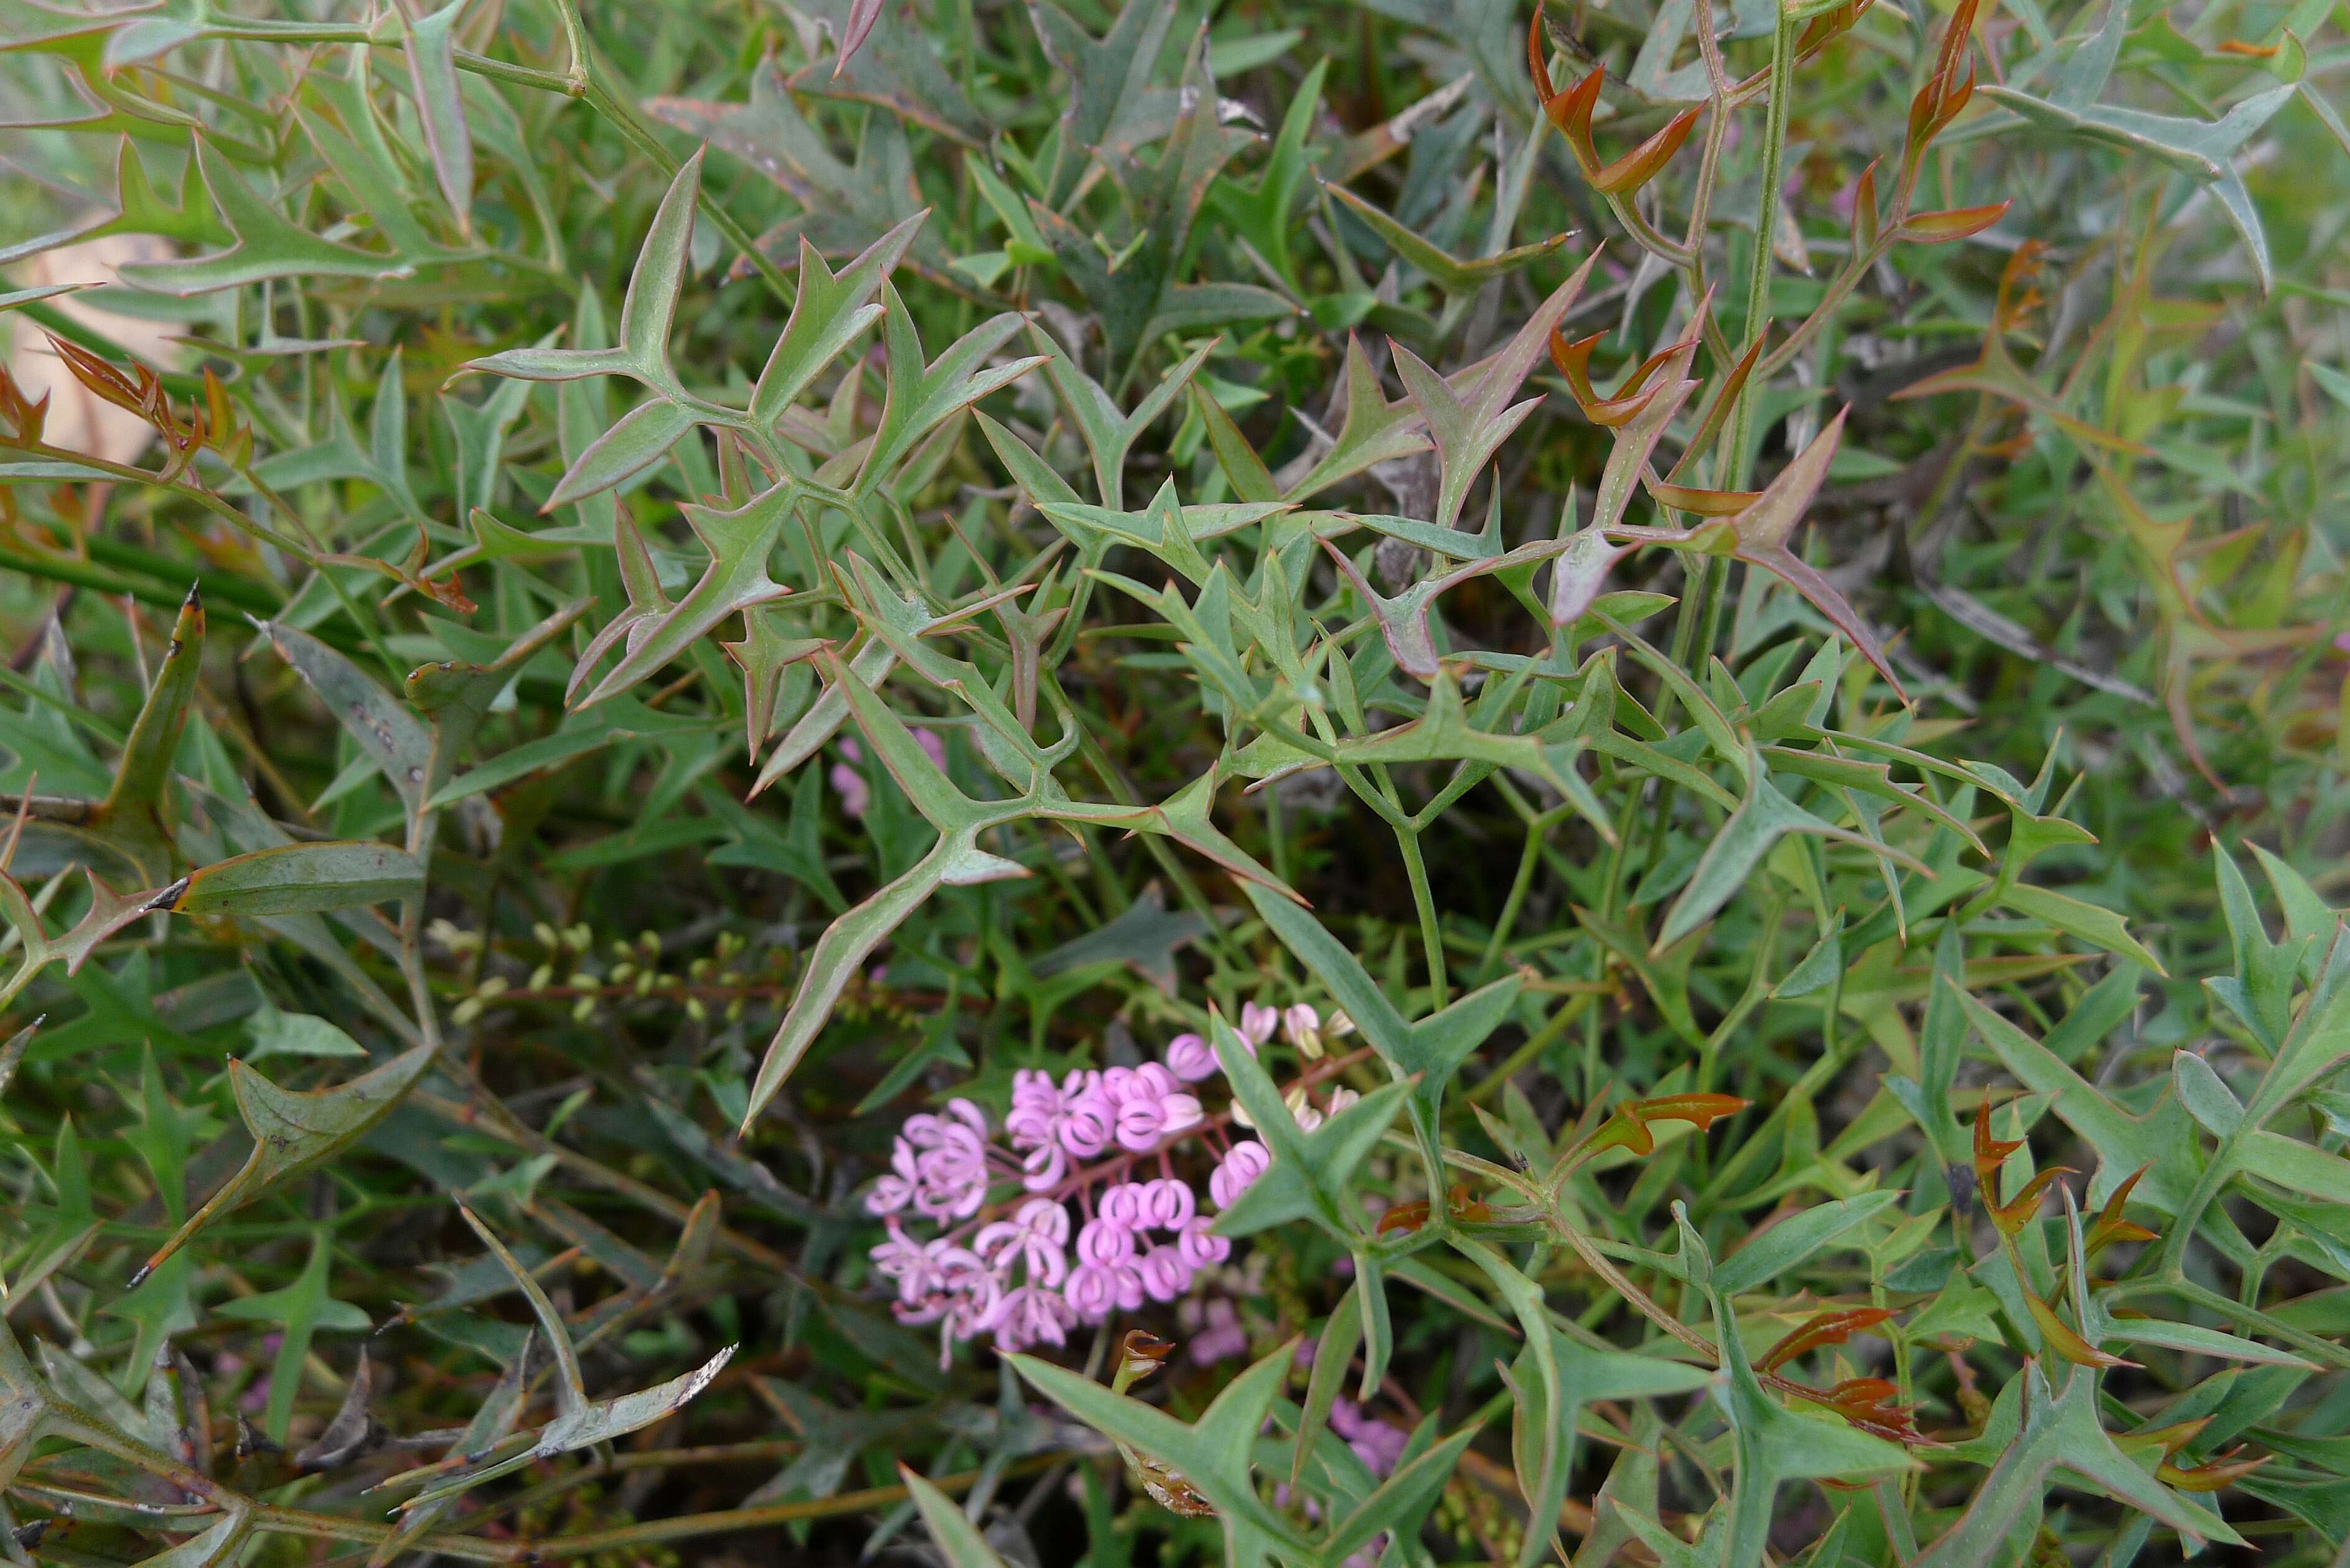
x: 1094, y: 781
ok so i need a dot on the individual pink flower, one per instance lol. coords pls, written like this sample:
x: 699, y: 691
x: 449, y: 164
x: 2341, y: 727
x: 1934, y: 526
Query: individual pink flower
x: 1168, y: 1204
x: 1090, y: 1124
x: 948, y: 1282
x: 1151, y: 1105
x: 1095, y: 1291
x: 971, y: 1309
x: 1033, y: 1315
x: 1121, y: 1205
x: 1238, y: 1171
x: 1164, y: 1274
x: 1179, y: 1113
x: 1092, y: 1291
x: 892, y: 1192
x: 901, y: 1258
x: 1190, y: 1058
x: 1301, y: 1025
x: 1104, y: 1242
x: 1201, y: 1247
x: 1042, y: 1164
x: 1257, y: 1024
x: 1140, y: 1121
x: 1034, y: 1237
x: 1040, y: 1108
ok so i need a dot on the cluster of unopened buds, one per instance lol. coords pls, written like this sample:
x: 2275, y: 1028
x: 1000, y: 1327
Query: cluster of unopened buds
x: 567, y: 966
x: 1093, y: 1234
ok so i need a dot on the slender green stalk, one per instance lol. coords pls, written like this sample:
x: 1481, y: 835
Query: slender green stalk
x: 1423, y: 900
x: 1556, y: 1026
x: 1780, y: 104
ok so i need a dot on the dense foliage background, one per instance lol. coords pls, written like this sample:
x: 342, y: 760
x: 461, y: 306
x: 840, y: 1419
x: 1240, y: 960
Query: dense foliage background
x: 1341, y: 784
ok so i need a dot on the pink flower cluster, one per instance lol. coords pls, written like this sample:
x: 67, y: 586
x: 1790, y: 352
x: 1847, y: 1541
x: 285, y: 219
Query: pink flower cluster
x: 1029, y: 1278
x: 1135, y: 1109
x: 939, y: 1166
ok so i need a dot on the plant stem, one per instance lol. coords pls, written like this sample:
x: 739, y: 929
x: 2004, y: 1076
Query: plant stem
x: 1740, y: 460
x: 1423, y: 900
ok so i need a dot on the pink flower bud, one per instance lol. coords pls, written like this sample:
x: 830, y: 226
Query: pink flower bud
x: 1122, y: 1206
x: 1190, y: 1058
x: 1168, y: 1205
x: 1151, y: 1081
x: 1103, y: 1242
x: 1092, y: 1291
x: 1202, y: 1248
x: 1139, y: 1123
x: 1238, y: 1172
x: 1090, y: 1123
x: 1165, y: 1274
